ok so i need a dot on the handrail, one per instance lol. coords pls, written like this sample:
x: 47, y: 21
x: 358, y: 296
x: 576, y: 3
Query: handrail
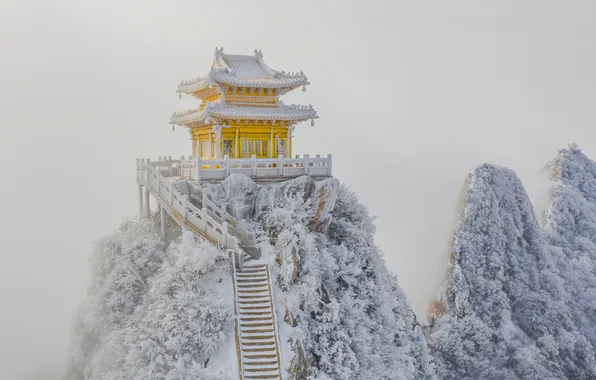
x: 177, y: 202
x: 276, y: 328
x: 237, y: 326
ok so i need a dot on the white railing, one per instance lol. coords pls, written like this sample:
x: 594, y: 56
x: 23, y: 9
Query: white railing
x: 259, y: 168
x: 218, y: 226
x: 256, y: 168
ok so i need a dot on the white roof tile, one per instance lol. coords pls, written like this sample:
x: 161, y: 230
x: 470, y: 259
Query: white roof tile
x: 217, y: 111
x: 243, y: 71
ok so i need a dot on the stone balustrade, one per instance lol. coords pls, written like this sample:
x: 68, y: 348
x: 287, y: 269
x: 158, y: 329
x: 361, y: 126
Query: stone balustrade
x: 256, y: 168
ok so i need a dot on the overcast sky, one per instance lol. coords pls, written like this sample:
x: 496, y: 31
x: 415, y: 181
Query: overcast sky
x: 411, y: 95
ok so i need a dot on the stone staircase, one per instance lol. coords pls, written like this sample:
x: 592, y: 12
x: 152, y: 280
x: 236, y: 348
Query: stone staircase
x: 258, y: 339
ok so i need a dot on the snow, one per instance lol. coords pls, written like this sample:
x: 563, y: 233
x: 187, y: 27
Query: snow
x: 220, y: 110
x: 154, y: 313
x: 518, y: 300
x: 504, y: 310
x: 243, y: 71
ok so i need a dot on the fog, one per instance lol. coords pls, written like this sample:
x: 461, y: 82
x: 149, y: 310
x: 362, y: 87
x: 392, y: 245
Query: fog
x: 411, y: 95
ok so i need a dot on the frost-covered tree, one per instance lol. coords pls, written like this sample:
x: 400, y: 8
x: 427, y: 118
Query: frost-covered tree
x: 571, y: 230
x: 152, y: 313
x: 351, y: 317
x: 502, y: 312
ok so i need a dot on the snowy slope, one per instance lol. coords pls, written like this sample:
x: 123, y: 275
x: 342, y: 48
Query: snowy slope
x: 502, y: 311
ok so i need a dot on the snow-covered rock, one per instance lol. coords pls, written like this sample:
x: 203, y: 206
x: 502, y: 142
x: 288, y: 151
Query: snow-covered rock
x: 502, y: 310
x: 571, y: 231
x: 351, y: 318
x: 157, y: 314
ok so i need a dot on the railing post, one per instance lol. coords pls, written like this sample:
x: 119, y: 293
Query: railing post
x: 147, y: 203
x: 198, y: 168
x: 254, y: 166
x: 185, y: 205
x: 144, y: 169
x: 280, y: 164
x: 305, y: 163
x: 226, y: 166
x: 329, y: 166
x: 224, y: 228
x: 162, y: 214
x: 182, y: 170
x: 239, y: 260
x: 140, y: 201
x: 222, y: 211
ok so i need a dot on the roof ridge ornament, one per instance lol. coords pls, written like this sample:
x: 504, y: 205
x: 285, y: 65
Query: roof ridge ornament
x: 258, y: 54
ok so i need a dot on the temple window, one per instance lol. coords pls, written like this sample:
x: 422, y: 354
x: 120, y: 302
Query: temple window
x: 259, y: 148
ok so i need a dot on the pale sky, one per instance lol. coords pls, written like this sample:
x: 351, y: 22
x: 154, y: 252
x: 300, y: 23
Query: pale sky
x: 411, y: 95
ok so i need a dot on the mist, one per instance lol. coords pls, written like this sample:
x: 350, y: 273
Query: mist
x: 410, y: 95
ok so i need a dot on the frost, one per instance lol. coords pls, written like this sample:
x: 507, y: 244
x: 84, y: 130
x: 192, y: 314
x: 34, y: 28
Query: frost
x: 504, y: 310
x: 152, y: 313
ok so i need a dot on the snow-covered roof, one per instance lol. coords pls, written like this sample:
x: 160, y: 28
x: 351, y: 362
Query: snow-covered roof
x: 220, y: 110
x: 243, y: 71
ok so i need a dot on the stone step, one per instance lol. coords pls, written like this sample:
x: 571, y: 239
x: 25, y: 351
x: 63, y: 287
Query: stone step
x: 244, y: 291
x: 261, y: 356
x: 262, y: 312
x: 262, y: 285
x: 259, y: 337
x: 259, y: 324
x: 257, y: 331
x: 261, y: 344
x: 248, y: 319
x: 262, y: 377
x: 251, y: 280
x: 254, y: 266
x: 266, y: 369
x: 260, y: 349
x: 264, y: 297
x: 252, y: 270
x: 252, y: 301
x: 252, y: 273
x: 254, y: 307
x: 262, y: 365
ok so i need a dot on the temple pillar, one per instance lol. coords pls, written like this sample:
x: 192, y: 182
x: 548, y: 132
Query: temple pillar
x: 271, y: 142
x: 290, y: 137
x: 198, y: 148
x: 237, y: 143
x: 210, y: 146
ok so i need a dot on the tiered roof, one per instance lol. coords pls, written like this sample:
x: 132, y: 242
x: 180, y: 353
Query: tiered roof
x: 220, y: 111
x: 244, y: 71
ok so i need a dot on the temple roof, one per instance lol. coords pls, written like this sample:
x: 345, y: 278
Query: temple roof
x: 243, y: 71
x: 218, y: 111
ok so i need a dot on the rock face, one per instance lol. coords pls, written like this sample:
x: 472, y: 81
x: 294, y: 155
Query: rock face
x: 502, y: 312
x: 244, y: 199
